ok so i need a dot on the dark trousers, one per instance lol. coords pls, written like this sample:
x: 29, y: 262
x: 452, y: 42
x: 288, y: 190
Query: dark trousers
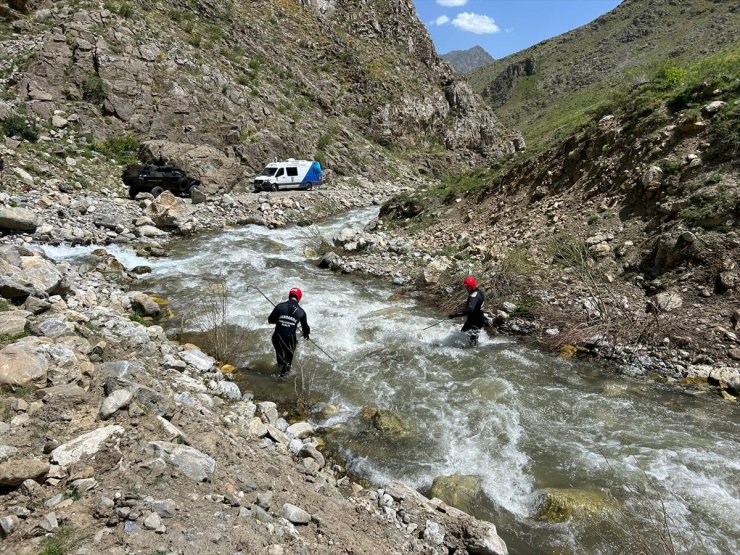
x: 284, y: 349
x: 472, y: 334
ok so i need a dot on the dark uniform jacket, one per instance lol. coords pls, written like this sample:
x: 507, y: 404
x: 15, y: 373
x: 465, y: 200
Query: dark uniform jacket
x: 286, y: 316
x: 474, y: 311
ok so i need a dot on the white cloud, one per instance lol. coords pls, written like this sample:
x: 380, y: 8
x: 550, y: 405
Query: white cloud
x: 441, y: 20
x: 452, y: 3
x: 475, y: 23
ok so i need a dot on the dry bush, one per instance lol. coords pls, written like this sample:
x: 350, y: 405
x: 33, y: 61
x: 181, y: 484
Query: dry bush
x: 225, y: 340
x: 316, y: 242
x: 511, y: 275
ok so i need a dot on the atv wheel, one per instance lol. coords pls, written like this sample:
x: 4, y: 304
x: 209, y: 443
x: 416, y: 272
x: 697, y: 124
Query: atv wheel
x: 133, y: 191
x: 156, y: 191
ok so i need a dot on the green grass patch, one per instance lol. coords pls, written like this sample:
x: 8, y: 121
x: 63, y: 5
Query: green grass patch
x: 66, y: 539
x: 124, y: 149
x: 5, y: 306
x: 94, y: 89
x: 138, y: 319
x: 20, y: 125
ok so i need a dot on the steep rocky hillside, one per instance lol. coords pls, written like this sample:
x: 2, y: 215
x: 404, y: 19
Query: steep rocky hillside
x: 624, y: 235
x: 465, y: 61
x: 548, y: 90
x: 231, y: 85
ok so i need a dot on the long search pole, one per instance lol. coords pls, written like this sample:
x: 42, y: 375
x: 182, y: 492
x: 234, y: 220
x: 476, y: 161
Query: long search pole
x: 309, y: 339
x: 438, y: 323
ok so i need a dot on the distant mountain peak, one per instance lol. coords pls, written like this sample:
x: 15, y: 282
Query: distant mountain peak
x: 465, y: 61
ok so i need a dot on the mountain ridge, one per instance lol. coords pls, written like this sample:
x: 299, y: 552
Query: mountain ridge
x: 465, y: 61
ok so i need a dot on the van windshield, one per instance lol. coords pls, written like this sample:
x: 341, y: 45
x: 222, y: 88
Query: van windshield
x: 269, y: 172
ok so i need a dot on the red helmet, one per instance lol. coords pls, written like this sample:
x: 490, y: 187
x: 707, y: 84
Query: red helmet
x: 470, y: 282
x: 295, y: 292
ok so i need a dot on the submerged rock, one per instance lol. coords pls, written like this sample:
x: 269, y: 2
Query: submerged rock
x: 460, y: 491
x: 559, y: 505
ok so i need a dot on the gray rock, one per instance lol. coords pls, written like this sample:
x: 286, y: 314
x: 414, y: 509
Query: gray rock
x: 434, y: 533
x: 13, y: 322
x: 197, y: 196
x: 165, y: 508
x: 53, y: 327
x: 198, y: 359
x: 296, y: 515
x: 8, y: 524
x: 264, y: 500
x: 509, y: 308
x: 713, y: 107
x: 14, y: 473
x: 300, y: 430
x: 194, y: 464
x: 48, y: 523
x: 85, y: 445
x: 54, y: 501
x: 152, y: 521
x: 667, y: 301
x: 117, y: 400
x: 144, y: 305
x: 17, y: 219
x: 309, y: 450
x: 84, y: 484
x: 150, y: 231
x: 277, y: 435
x: 36, y: 305
x: 7, y: 451
x: 230, y: 390
x: 268, y: 412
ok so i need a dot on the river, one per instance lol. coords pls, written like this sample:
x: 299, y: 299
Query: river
x: 519, y: 418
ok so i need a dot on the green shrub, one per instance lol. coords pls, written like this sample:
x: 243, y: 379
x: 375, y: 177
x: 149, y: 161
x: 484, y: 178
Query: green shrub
x: 18, y: 125
x: 4, y: 305
x: 324, y: 141
x: 724, y: 137
x: 94, y: 89
x: 124, y: 149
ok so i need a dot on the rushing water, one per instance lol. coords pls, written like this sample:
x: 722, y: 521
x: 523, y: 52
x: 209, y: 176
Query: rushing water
x: 519, y: 418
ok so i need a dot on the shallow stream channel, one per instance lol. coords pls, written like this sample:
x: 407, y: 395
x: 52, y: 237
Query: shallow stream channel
x: 522, y: 420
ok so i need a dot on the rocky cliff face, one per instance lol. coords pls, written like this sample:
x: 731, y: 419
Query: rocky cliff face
x: 465, y: 61
x: 331, y: 79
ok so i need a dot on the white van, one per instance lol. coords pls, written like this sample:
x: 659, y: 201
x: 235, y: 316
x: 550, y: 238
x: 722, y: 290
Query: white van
x: 291, y: 174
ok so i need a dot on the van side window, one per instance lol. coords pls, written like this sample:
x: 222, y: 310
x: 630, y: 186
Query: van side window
x: 292, y: 172
x: 279, y: 173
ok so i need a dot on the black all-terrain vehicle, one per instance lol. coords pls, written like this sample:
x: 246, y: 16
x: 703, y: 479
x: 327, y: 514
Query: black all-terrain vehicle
x: 156, y: 179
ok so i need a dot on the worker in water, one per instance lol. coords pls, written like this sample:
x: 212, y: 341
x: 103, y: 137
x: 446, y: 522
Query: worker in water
x: 286, y: 316
x: 473, y: 311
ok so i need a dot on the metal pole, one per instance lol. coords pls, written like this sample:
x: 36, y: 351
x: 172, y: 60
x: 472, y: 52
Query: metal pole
x: 438, y: 323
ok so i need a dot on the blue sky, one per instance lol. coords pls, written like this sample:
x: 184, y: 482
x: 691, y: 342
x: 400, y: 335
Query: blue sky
x: 503, y: 27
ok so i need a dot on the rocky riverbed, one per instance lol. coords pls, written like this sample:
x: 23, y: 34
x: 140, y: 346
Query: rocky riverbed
x: 117, y: 439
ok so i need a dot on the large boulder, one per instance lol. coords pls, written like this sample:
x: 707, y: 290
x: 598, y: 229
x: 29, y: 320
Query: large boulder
x: 22, y: 364
x: 192, y: 463
x: 461, y: 491
x: 33, y: 276
x: 13, y: 322
x: 14, y: 473
x: 85, y: 445
x: 167, y: 211
x: 388, y: 422
x: 17, y: 219
x: 558, y: 505
x: 217, y: 172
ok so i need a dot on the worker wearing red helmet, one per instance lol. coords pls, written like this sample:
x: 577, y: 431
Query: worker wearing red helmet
x: 286, y: 316
x: 473, y: 311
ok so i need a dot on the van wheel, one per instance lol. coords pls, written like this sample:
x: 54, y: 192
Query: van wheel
x: 309, y: 186
x: 273, y: 187
x: 156, y: 191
